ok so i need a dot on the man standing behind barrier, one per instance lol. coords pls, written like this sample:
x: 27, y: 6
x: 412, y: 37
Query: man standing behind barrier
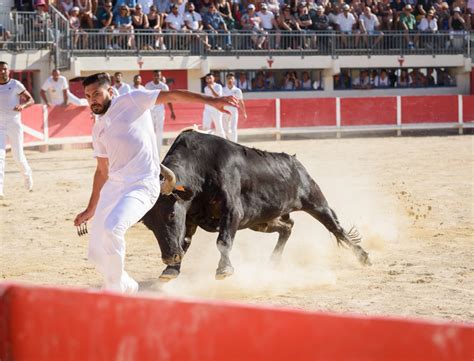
x: 126, y: 181
x: 231, y: 120
x: 210, y: 114
x: 56, y: 88
x: 119, y: 85
x: 158, y: 111
x: 12, y: 92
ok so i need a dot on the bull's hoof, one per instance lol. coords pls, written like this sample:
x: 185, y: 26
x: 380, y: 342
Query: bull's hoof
x: 169, y: 273
x: 364, y: 259
x: 224, y: 272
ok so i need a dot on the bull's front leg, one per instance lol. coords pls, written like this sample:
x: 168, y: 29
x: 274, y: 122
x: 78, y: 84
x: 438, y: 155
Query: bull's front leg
x: 228, y: 227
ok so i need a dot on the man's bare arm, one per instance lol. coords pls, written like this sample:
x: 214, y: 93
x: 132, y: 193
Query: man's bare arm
x: 173, y: 96
x: 27, y: 101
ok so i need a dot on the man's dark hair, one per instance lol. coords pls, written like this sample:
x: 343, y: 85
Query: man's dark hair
x: 3, y: 63
x: 118, y: 73
x: 208, y: 74
x: 101, y: 78
x: 156, y: 71
x: 230, y: 74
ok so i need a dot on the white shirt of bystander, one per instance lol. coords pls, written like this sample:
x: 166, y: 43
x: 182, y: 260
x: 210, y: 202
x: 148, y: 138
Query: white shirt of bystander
x: 370, y: 22
x: 10, y: 98
x: 218, y: 89
x: 160, y: 86
x: 176, y: 21
x: 55, y: 89
x: 267, y: 19
x: 345, y: 24
x: 428, y: 25
x: 124, y: 88
x: 236, y: 92
x: 192, y: 20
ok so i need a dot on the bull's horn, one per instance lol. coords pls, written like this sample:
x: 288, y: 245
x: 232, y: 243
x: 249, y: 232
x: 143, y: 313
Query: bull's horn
x: 169, y: 182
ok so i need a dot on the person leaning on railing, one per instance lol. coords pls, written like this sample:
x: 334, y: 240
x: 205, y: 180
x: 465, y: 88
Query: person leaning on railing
x: 289, y: 26
x: 408, y: 24
x: 347, y: 25
x: 193, y: 23
x: 369, y: 25
x: 252, y: 23
x: 78, y: 32
x: 175, y: 24
x: 155, y: 24
x: 140, y: 23
x: 215, y: 24
x: 105, y: 19
x: 306, y: 25
x: 123, y: 25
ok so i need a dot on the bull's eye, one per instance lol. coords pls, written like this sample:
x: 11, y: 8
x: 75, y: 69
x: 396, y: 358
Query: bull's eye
x: 171, y: 216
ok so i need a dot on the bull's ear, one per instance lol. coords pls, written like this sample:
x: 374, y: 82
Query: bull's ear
x: 182, y: 192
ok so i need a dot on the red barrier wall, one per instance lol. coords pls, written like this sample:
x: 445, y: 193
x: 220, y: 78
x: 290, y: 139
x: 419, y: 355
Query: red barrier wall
x: 430, y: 109
x: 369, y: 111
x: 69, y: 121
x: 468, y: 108
x: 33, y: 118
x: 56, y: 324
x: 308, y: 112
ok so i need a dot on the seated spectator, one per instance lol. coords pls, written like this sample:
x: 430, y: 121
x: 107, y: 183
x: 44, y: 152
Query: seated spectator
x: 428, y: 24
x: 444, y: 78
x: 422, y: 8
x: 363, y: 81
x: 118, y: 4
x: 251, y: 22
x: 306, y: 82
x: 86, y: 15
x: 42, y: 26
x: 430, y: 80
x: 225, y: 10
x: 174, y: 20
x: 140, y: 23
x: 193, y: 23
x: 163, y: 7
x: 347, y: 24
x: 306, y: 26
x: 382, y: 80
x: 105, y: 19
x: 154, y: 24
x: 65, y: 6
x: 237, y: 15
x: 443, y: 15
x: 272, y: 5
x: 123, y: 24
x: 77, y: 32
x: 214, y: 25
x: 269, y: 81
x: 242, y: 82
x: 290, y: 82
x: 289, y: 26
x: 369, y: 25
x: 417, y: 79
x: 397, y: 7
x: 320, y: 24
x: 204, y: 6
x: 404, y: 80
x: 258, y: 83
x: 268, y: 22
x: 146, y: 5
x: 457, y: 27
x: 342, y: 81
x: 407, y: 24
x: 5, y: 36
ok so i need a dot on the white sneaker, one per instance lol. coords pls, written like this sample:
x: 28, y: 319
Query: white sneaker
x: 29, y: 183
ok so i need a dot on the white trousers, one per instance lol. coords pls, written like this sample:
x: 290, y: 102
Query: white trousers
x: 158, y: 116
x: 215, y: 116
x: 120, y: 206
x: 230, y: 121
x: 13, y: 129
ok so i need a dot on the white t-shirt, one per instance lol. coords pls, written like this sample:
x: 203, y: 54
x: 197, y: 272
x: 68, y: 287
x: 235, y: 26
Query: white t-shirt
x: 428, y: 25
x: 192, y: 20
x: 266, y: 19
x: 124, y: 88
x: 207, y: 91
x: 236, y: 92
x: 125, y: 135
x: 379, y: 82
x: 344, y: 23
x: 140, y: 87
x: 369, y: 22
x: 160, y: 86
x: 10, y: 98
x: 175, y: 20
x: 55, y: 89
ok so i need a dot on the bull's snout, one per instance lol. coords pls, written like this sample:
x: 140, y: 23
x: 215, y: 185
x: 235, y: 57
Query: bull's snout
x: 174, y: 260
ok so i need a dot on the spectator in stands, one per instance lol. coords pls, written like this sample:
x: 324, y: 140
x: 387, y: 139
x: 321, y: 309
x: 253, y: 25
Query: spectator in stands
x: 290, y: 82
x: 269, y: 25
x: 242, y: 82
x: 363, y: 81
x: 24, y: 5
x: 306, y: 82
x: 146, y: 5
x: 225, y: 10
x: 457, y: 27
x: 237, y: 15
x: 174, y: 24
x: 258, y: 83
x: 140, y: 23
x: 369, y: 25
x: 119, y: 85
x: 77, y: 32
x: 163, y: 7
x: 444, y: 78
x: 137, y: 82
x: 86, y: 15
x: 105, y: 19
x: 214, y: 25
x: 65, y: 6
x: 272, y: 5
x: 428, y: 25
x: 289, y: 26
x: 320, y: 24
x: 407, y: 24
x: 42, y: 28
x: 269, y: 80
x: 443, y: 15
x: 5, y: 36
x: 382, y: 80
x: 306, y: 26
x: 347, y: 25
x: 342, y: 81
x: 417, y: 78
x: 397, y: 7
x: 251, y: 22
x: 118, y: 5
x: 404, y: 79
x: 154, y: 23
x: 422, y: 7
x: 123, y: 23
x: 430, y: 80
x: 193, y: 23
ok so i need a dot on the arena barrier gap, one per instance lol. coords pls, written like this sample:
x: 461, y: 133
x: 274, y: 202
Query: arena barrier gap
x: 73, y: 124
x: 44, y: 323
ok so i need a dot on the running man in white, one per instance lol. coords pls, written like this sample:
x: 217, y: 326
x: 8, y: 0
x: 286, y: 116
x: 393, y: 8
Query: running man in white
x: 13, y: 99
x: 211, y: 114
x: 158, y: 111
x: 119, y: 85
x: 55, y: 91
x: 231, y: 120
x: 127, y: 177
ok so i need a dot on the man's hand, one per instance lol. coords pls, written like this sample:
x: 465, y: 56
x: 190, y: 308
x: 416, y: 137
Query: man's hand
x: 245, y: 115
x: 173, y: 116
x: 221, y: 102
x: 83, y: 217
x: 19, y: 108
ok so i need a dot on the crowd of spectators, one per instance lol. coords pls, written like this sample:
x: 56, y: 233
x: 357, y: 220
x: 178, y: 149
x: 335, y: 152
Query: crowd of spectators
x: 292, y: 23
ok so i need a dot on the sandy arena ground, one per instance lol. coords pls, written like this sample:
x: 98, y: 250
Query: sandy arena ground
x: 412, y: 199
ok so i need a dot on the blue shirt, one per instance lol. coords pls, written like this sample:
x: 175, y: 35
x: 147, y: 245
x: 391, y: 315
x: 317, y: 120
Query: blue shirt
x: 215, y: 20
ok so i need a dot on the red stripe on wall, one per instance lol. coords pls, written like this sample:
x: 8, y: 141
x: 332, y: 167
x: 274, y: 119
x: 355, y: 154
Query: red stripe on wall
x: 33, y: 118
x: 369, y: 111
x: 430, y: 109
x: 70, y: 121
x: 308, y: 112
x: 468, y: 108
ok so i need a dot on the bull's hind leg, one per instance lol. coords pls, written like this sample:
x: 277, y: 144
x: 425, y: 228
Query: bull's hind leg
x: 283, y: 226
x: 328, y: 218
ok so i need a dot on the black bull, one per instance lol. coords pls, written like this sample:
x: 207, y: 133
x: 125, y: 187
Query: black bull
x: 222, y: 187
